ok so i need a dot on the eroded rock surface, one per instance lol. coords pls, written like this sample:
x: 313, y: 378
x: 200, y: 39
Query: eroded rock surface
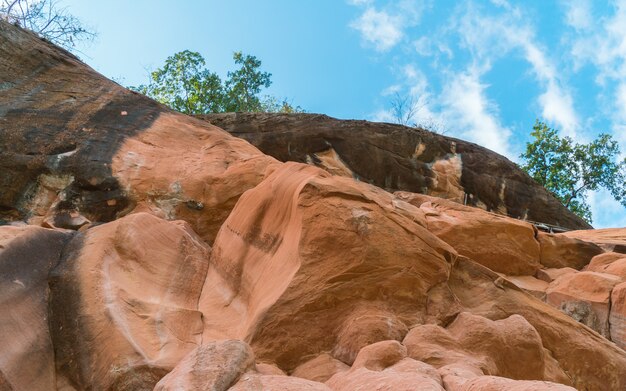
x: 177, y: 256
x: 503, y: 244
x: 78, y: 148
x: 396, y: 157
x: 27, y: 254
x: 124, y: 302
x: 214, y: 366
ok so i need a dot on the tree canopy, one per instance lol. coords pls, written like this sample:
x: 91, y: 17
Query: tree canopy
x: 569, y: 170
x: 186, y: 85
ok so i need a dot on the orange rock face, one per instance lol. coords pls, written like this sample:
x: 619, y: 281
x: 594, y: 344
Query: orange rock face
x: 320, y: 369
x: 503, y: 244
x: 212, y: 366
x: 267, y: 261
x: 559, y: 251
x: 611, y: 239
x: 610, y: 263
x: 27, y: 255
x: 202, y: 186
x: 123, y: 308
x: 617, y: 319
x: 585, y: 297
x: 178, y: 257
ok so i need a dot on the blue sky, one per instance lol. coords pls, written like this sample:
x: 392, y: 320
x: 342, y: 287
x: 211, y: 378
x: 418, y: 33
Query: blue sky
x: 481, y: 70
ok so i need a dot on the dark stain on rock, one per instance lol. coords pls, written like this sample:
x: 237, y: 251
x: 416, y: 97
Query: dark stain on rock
x: 397, y: 157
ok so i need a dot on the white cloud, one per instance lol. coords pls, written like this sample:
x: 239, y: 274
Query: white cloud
x: 605, y: 211
x: 470, y: 112
x: 379, y: 28
x: 392, y: 89
x: 578, y: 14
x: 384, y: 28
x: 491, y: 37
x: 603, y: 45
x: 558, y: 108
x: 620, y: 101
x: 382, y: 116
x: 501, y: 3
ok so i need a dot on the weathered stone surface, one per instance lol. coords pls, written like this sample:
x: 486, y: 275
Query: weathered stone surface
x: 363, y: 327
x: 406, y: 374
x: 610, y: 263
x: 255, y: 382
x: 213, y: 366
x: 27, y: 254
x: 559, y: 251
x: 304, y: 248
x: 269, y: 369
x: 502, y: 244
x: 617, y: 318
x: 493, y: 348
x: 380, y: 355
x: 551, y: 274
x: 396, y: 157
x: 306, y: 265
x: 610, y: 239
x: 76, y: 147
x: 585, y: 296
x: 507, y: 342
x: 435, y: 346
x: 387, y: 380
x: 530, y: 284
x: 320, y: 368
x: 123, y: 308
x: 495, y: 383
x: 574, y: 347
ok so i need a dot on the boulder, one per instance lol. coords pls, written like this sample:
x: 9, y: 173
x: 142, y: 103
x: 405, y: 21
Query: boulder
x: 380, y: 355
x: 363, y: 327
x: 213, y: 367
x: 320, y: 368
x: 256, y: 382
x: 559, y: 251
x: 610, y: 239
x: 617, y: 318
x: 610, y: 263
x: 550, y: 274
x: 123, y: 302
x: 585, y: 296
x: 504, y: 245
x: 572, y: 350
x: 435, y: 346
x: 495, y: 383
x: 310, y: 263
x: 27, y: 254
x: 387, y: 380
x: 508, y: 342
x: 405, y: 375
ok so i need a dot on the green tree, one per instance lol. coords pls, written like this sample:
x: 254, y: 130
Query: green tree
x: 244, y: 85
x: 184, y: 84
x: 569, y: 170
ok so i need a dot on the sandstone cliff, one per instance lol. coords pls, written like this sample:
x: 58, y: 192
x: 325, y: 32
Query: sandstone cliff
x: 396, y: 157
x: 144, y: 249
